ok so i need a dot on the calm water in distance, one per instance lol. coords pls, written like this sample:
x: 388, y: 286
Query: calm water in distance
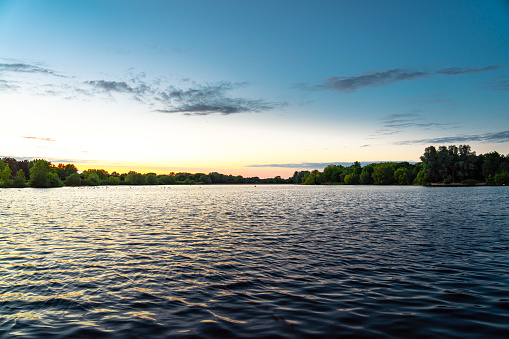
x: 244, y: 261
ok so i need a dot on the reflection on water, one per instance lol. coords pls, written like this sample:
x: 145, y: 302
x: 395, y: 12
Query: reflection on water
x: 280, y: 261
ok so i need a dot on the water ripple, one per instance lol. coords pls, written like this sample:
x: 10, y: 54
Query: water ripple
x: 244, y: 261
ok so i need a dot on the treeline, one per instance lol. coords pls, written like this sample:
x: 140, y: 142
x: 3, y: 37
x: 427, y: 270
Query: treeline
x: 447, y: 165
x: 41, y: 173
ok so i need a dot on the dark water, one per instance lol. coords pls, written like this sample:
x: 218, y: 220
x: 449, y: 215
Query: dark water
x: 244, y: 261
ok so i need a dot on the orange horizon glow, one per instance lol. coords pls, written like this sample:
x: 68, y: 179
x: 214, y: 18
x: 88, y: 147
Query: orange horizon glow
x: 262, y: 173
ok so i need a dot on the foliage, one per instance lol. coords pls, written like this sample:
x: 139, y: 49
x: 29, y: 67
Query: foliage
x: 422, y: 178
x: 383, y: 174
x: 298, y: 177
x: 64, y: 171
x: 42, y: 175
x: 54, y: 180
x: 168, y: 179
x: 205, y: 179
x: 151, y: 179
x: 401, y: 176
x: 445, y: 164
x: 352, y: 179
x: 470, y: 182
x: 73, y: 180
x: 134, y: 178
x: 20, y: 180
x: 113, y: 180
x: 93, y: 179
x: 4, y: 175
x: 502, y: 178
x: 366, y: 177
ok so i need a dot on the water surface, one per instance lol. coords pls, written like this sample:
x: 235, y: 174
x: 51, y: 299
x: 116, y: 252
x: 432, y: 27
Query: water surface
x: 244, y: 261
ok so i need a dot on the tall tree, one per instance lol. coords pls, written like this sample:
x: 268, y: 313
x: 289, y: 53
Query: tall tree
x: 42, y: 175
x: 383, y: 174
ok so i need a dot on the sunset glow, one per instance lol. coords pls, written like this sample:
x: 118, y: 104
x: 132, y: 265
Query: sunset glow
x: 252, y: 88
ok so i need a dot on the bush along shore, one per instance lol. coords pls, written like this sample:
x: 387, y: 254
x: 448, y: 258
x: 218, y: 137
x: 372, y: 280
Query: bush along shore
x: 445, y: 166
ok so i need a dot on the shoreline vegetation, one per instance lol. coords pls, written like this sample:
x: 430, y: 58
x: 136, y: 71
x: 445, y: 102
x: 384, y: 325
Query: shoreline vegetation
x: 445, y: 166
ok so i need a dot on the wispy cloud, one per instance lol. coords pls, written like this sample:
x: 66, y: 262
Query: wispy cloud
x: 26, y: 68
x: 7, y: 85
x: 407, y: 120
x: 497, y: 137
x: 397, y: 123
x: 111, y: 86
x: 210, y: 99
x: 38, y: 138
x: 385, y: 77
x: 315, y: 165
x: 371, y: 79
x: 158, y: 95
x: 501, y: 84
x: 463, y: 70
x: 303, y: 165
x: 194, y: 100
x: 225, y: 107
x: 53, y: 160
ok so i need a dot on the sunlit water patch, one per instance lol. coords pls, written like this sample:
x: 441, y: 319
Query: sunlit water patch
x: 245, y: 261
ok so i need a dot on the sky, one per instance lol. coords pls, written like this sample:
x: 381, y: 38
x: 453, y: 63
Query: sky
x: 256, y: 88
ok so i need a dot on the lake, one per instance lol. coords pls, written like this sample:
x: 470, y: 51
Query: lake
x: 279, y: 261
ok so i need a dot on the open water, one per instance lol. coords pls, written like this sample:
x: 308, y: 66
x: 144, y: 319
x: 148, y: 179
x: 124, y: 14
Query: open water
x: 245, y: 261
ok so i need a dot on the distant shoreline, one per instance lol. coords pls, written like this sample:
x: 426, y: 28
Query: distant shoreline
x: 443, y: 167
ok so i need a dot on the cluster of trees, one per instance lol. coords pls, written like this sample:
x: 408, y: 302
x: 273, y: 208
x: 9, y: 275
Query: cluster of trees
x: 6, y: 177
x: 443, y: 165
x: 460, y: 164
x: 41, y: 173
x: 387, y: 173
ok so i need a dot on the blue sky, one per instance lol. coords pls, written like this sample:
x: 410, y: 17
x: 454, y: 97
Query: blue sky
x: 250, y: 87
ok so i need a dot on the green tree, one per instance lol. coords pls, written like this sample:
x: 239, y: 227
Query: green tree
x: 73, y: 179
x: 20, y: 180
x: 188, y: 181
x: 168, y: 179
x: 491, y: 164
x: 352, y: 179
x: 93, y: 179
x: 310, y: 179
x: 328, y: 173
x: 401, y: 176
x: 205, y: 179
x: 63, y: 171
x: 5, y: 175
x: 502, y: 178
x: 313, y: 178
x: 113, y: 180
x: 422, y: 178
x: 430, y: 163
x: 365, y: 177
x: 298, y: 176
x: 383, y: 174
x: 40, y: 174
x: 151, y: 179
x: 134, y: 178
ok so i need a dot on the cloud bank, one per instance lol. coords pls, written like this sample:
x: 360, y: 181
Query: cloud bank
x: 386, y: 77
x: 198, y: 99
x: 38, y: 138
x: 407, y: 120
x: 497, y: 137
x: 26, y: 68
x: 186, y: 98
x: 307, y: 165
